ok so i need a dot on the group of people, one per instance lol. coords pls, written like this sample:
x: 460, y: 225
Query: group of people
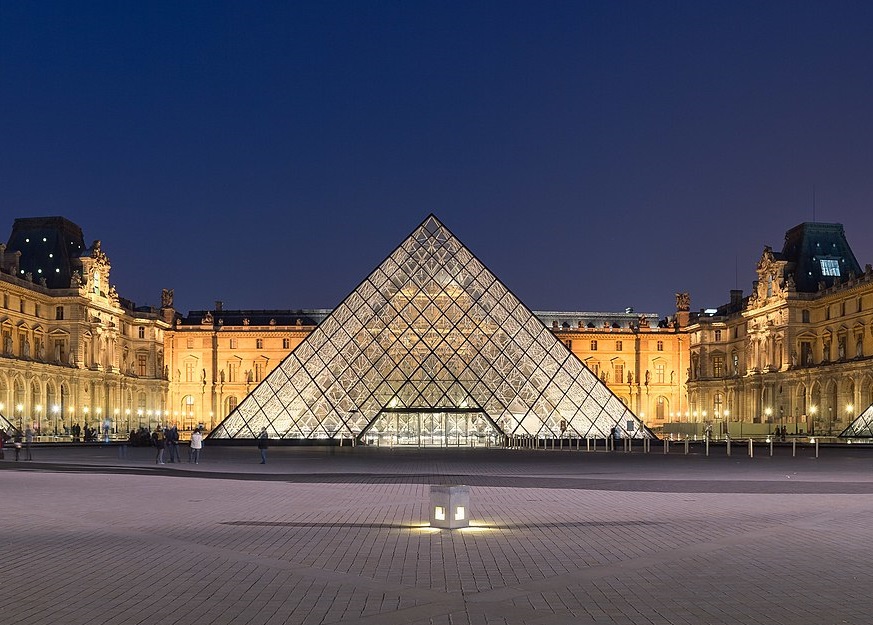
x: 167, y: 438
x: 19, y: 443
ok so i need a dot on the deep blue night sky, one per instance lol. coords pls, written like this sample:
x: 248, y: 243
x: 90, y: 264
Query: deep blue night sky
x: 595, y: 155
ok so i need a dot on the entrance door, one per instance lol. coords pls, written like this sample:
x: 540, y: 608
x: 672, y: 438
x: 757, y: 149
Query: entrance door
x: 431, y: 429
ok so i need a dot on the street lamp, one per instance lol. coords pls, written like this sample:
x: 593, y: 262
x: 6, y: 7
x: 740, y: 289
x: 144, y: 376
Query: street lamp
x: 19, y: 408
x: 38, y: 409
x: 812, y: 411
x: 56, y: 410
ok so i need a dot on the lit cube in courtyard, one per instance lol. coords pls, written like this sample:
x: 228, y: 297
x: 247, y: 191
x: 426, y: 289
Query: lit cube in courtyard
x: 449, y: 506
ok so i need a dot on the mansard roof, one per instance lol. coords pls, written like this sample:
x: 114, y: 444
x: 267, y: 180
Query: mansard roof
x: 50, y: 248
x: 817, y: 253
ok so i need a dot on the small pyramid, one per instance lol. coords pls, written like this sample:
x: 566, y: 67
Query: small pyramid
x: 6, y: 425
x: 862, y: 427
x: 431, y: 348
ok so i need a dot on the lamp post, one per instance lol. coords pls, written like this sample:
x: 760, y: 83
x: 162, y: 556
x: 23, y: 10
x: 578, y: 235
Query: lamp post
x: 139, y: 414
x: 768, y: 412
x: 56, y: 410
x: 127, y: 420
x: 849, y: 408
x: 18, y: 409
x: 810, y: 429
x: 38, y: 409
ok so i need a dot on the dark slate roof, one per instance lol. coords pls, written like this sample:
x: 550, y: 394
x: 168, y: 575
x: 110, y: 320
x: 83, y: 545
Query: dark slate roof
x: 810, y: 243
x: 255, y: 317
x: 49, y: 246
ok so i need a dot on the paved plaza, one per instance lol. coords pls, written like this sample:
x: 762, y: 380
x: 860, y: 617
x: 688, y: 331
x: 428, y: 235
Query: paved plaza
x: 321, y: 536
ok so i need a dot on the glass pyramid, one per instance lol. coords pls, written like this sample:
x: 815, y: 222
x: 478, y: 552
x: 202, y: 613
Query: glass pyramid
x: 430, y: 348
x: 862, y: 427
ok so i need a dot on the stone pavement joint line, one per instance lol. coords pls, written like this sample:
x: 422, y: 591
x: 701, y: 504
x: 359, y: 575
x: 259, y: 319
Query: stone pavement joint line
x: 235, y: 543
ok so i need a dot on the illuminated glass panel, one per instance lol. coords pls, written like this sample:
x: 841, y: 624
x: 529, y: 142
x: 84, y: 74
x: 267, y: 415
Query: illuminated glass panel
x: 430, y: 349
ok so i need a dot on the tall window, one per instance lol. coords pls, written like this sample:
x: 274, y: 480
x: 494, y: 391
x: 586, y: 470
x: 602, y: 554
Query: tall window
x: 189, y: 343
x: 618, y: 346
x: 141, y: 332
x: 717, y: 336
x: 286, y: 343
x: 661, y: 409
x: 232, y: 371
x: 231, y: 403
x: 233, y: 343
x: 259, y: 371
x: 142, y: 361
x: 717, y: 404
x: 59, y: 313
x: 735, y: 357
x: 659, y: 373
x: 593, y: 346
x: 569, y: 345
x: 718, y: 366
x: 259, y: 343
x: 804, y: 316
x: 189, y: 371
x: 660, y: 346
x: 618, y: 372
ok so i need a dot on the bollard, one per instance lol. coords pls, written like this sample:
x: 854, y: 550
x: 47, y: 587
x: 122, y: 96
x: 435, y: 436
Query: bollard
x: 751, y: 449
x: 122, y: 451
x: 707, y: 446
x: 686, y: 445
x: 793, y: 447
x: 666, y: 445
x: 561, y: 446
x: 771, y: 447
x: 587, y: 444
x: 728, y: 445
x: 816, y: 448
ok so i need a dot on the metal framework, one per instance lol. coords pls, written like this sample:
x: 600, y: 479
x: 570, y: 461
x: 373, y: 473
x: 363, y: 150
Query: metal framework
x: 430, y: 348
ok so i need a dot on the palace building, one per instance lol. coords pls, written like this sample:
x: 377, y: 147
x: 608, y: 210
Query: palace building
x: 71, y: 350
x: 796, y: 352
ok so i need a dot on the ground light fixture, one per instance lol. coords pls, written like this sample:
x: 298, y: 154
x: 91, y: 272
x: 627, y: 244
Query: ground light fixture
x: 449, y: 506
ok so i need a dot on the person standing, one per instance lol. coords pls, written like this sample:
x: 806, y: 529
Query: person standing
x: 28, y: 439
x: 160, y: 443
x: 262, y: 445
x: 196, y: 446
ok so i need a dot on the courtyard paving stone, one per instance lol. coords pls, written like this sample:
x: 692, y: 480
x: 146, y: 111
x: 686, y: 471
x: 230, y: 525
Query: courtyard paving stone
x: 319, y: 536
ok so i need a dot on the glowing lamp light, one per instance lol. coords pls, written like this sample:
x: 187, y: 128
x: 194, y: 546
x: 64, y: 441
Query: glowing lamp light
x: 439, y: 513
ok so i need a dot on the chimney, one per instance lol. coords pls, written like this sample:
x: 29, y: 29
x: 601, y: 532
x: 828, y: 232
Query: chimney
x: 218, y: 305
x: 736, y: 298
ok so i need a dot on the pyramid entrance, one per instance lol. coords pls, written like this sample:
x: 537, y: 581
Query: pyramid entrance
x: 432, y: 427
x: 430, y: 349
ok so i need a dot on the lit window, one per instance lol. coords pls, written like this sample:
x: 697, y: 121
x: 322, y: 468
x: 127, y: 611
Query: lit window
x: 830, y: 267
x: 439, y: 513
x: 717, y: 366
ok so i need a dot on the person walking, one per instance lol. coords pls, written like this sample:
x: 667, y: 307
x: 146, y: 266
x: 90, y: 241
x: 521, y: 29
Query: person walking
x: 17, y: 442
x: 196, y: 446
x: 262, y: 445
x: 28, y: 439
x: 160, y: 443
